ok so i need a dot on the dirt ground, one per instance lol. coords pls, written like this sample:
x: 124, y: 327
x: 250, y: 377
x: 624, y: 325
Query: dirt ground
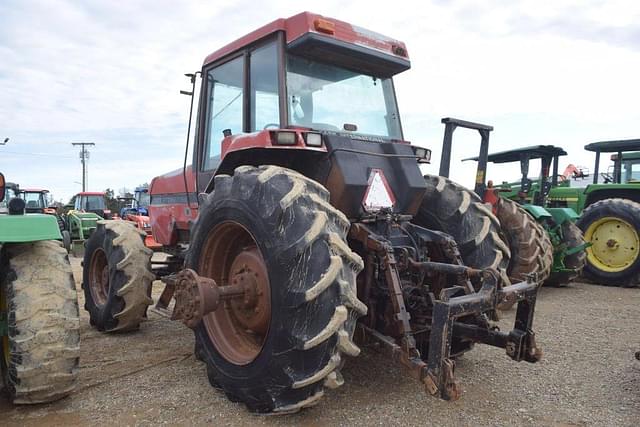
x: 588, y: 376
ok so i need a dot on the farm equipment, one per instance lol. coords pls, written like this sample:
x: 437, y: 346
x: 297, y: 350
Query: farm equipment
x: 39, y: 317
x: 294, y: 227
x: 569, y: 254
x: 92, y: 201
x: 82, y: 220
x: 609, y: 213
x: 520, y: 243
x: 136, y: 211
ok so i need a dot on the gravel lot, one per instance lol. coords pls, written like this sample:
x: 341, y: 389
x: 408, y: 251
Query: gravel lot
x: 588, y: 376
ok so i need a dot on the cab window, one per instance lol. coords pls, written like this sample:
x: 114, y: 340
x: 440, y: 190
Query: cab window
x: 263, y: 71
x: 224, y: 107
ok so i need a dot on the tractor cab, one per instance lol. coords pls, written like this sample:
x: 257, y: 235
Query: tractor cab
x: 630, y: 167
x: 136, y: 204
x: 95, y: 202
x: 626, y: 161
x: 35, y: 200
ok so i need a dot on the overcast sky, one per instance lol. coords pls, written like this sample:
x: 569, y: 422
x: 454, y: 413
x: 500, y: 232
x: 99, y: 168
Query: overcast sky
x: 109, y: 72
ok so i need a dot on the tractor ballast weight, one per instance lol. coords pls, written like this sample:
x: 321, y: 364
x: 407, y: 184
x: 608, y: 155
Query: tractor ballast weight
x: 298, y: 224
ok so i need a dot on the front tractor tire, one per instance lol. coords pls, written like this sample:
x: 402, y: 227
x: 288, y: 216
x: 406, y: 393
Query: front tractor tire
x: 117, y: 276
x: 613, y: 228
x: 39, y: 356
x: 274, y: 229
x: 459, y: 212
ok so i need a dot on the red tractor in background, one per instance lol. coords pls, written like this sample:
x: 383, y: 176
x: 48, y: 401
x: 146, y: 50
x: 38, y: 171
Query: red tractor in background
x: 296, y: 225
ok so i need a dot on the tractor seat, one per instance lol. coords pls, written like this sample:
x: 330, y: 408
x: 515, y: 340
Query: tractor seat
x: 32, y: 204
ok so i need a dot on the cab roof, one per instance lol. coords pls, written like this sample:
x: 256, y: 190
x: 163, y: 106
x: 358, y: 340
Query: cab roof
x: 91, y: 193
x: 614, y: 146
x: 328, y: 29
x: 534, y: 152
x: 33, y: 190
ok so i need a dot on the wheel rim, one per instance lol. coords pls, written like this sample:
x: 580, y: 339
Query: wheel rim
x: 99, y: 277
x: 4, y: 307
x: 239, y: 328
x: 615, y: 244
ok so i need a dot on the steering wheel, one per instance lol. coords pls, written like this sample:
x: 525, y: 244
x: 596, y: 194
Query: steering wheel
x: 274, y: 125
x: 562, y: 177
x: 607, y: 177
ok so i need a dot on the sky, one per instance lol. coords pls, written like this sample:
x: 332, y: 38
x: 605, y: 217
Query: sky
x: 109, y: 72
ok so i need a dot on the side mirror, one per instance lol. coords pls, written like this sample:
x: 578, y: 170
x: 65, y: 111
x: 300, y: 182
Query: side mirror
x: 2, y: 187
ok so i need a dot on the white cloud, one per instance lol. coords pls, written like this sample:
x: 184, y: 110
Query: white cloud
x: 562, y: 73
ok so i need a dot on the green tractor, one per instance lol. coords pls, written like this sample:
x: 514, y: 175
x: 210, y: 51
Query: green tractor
x: 39, y: 318
x: 609, y: 211
x: 82, y: 218
x: 569, y: 254
x: 520, y: 241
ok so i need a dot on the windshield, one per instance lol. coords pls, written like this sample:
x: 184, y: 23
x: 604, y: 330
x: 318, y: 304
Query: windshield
x: 33, y: 200
x: 327, y: 97
x: 93, y: 203
x: 143, y: 199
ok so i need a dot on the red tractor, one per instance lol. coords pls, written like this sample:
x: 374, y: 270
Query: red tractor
x: 296, y: 226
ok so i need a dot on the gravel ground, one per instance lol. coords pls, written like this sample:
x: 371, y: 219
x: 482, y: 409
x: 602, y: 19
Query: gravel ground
x: 588, y: 376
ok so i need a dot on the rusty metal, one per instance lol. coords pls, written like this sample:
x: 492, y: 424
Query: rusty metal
x: 429, y: 266
x: 447, y: 305
x: 99, y: 277
x: 197, y: 296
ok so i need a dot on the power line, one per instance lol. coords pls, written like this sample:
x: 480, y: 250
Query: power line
x: 84, y: 156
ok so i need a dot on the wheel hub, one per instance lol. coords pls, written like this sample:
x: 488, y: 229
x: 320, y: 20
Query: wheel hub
x: 253, y: 310
x: 615, y: 244
x: 99, y: 277
x: 239, y: 327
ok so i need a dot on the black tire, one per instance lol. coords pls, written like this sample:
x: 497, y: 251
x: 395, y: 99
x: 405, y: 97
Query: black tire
x: 531, y: 248
x: 122, y: 306
x: 311, y: 270
x: 627, y: 211
x: 66, y: 240
x: 41, y: 364
x: 459, y: 212
x: 572, y: 238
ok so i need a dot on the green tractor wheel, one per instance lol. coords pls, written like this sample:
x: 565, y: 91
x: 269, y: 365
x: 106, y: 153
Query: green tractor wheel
x: 613, y: 228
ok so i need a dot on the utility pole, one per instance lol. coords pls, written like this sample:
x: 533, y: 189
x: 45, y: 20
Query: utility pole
x: 84, y: 156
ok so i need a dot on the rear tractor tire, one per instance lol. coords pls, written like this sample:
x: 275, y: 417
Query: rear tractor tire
x: 459, y: 212
x: 531, y: 248
x: 39, y: 356
x: 613, y: 228
x: 275, y: 228
x: 117, y: 276
x: 572, y: 238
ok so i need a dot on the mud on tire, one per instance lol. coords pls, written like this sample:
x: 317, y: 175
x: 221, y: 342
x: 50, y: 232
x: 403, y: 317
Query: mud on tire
x: 117, y: 276
x: 531, y: 248
x: 44, y: 331
x: 311, y: 270
x: 572, y: 237
x: 459, y: 212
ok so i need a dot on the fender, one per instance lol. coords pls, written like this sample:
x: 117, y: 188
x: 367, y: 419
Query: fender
x: 561, y: 215
x: 538, y: 212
